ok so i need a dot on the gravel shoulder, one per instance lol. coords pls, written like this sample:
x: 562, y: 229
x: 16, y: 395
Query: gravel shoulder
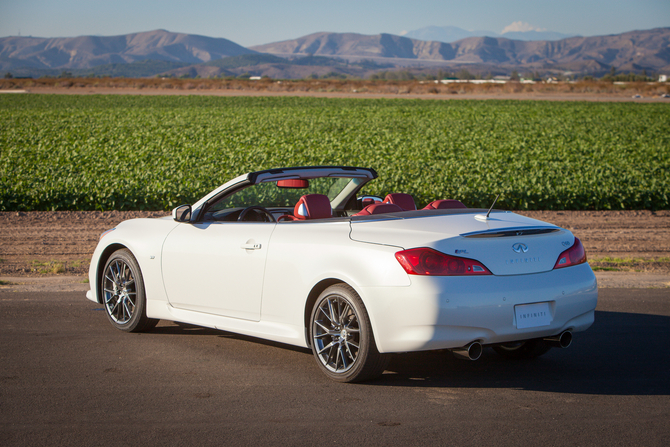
x: 476, y: 94
x: 43, y: 250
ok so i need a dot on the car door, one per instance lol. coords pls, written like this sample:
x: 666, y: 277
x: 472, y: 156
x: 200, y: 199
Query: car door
x: 217, y: 267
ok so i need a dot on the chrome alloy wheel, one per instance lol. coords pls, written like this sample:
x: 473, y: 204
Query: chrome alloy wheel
x: 336, y: 334
x: 120, y: 292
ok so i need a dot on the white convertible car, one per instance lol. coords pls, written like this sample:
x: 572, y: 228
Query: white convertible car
x: 295, y: 255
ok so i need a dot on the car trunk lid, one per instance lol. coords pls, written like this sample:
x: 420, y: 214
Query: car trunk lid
x: 506, y: 243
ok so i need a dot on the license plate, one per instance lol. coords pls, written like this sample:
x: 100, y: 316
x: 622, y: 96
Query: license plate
x: 532, y: 315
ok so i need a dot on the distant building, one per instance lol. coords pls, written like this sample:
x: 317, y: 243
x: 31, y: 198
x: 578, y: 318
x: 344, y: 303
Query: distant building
x: 662, y: 78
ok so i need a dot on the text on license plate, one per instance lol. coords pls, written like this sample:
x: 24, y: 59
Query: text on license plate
x: 532, y: 315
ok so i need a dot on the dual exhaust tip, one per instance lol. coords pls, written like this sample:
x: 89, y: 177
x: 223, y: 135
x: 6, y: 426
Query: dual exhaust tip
x: 469, y: 352
x: 474, y: 350
x: 563, y: 340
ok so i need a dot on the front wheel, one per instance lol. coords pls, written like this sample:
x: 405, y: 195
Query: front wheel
x: 342, y: 339
x: 123, y: 293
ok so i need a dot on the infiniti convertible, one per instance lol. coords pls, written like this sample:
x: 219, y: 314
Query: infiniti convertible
x: 300, y: 256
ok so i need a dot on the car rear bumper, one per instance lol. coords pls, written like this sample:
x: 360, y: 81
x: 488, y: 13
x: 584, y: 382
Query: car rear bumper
x: 451, y: 312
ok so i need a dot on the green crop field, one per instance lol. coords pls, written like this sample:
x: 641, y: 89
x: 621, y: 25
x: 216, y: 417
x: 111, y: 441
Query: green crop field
x: 66, y: 152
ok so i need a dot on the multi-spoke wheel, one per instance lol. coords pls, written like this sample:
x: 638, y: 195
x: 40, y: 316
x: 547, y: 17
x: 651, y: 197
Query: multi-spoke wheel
x: 341, y: 336
x: 528, y: 349
x: 123, y: 293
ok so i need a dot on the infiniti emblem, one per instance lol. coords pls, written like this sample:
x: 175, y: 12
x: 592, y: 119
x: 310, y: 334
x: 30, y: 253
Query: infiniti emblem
x: 520, y: 248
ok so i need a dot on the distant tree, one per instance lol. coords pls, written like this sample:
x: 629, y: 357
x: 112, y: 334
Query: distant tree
x: 8, y: 75
x: 514, y: 76
x: 464, y: 74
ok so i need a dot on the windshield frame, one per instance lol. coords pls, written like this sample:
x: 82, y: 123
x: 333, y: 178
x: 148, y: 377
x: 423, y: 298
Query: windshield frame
x: 358, y: 178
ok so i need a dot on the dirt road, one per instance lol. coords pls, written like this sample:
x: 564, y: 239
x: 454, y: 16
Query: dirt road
x: 353, y: 93
x: 45, y: 243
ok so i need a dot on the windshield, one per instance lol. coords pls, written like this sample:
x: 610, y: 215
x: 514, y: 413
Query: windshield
x: 269, y: 195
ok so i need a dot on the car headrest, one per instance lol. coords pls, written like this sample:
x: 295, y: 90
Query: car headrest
x: 444, y: 204
x: 313, y: 206
x: 379, y: 208
x: 404, y: 201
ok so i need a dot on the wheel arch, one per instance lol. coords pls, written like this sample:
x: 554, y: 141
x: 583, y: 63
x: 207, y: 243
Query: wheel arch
x: 311, y: 299
x: 102, y: 261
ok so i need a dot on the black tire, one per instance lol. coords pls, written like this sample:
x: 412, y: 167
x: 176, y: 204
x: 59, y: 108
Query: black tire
x: 122, y: 290
x: 528, y: 349
x: 341, y: 336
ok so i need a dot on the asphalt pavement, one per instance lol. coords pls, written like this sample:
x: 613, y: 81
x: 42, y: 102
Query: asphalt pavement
x: 68, y: 378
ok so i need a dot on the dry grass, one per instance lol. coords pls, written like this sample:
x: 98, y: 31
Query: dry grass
x: 343, y: 86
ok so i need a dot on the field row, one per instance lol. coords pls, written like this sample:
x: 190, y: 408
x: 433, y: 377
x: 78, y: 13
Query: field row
x: 62, y: 152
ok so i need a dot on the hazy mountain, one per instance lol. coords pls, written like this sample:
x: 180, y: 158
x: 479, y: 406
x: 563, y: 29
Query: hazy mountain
x: 89, y: 51
x: 635, y: 50
x: 320, y: 54
x: 446, y: 34
x: 450, y: 34
x: 278, y: 67
x: 535, y: 35
x: 359, y: 45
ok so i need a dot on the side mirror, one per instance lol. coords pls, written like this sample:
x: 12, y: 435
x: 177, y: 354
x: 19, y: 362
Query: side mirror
x: 182, y: 213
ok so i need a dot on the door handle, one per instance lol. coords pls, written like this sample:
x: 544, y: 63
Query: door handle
x: 251, y: 246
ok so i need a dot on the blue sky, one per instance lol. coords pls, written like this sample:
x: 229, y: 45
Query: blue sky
x: 255, y: 22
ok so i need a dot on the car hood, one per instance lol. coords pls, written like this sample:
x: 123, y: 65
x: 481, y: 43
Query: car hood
x: 506, y: 243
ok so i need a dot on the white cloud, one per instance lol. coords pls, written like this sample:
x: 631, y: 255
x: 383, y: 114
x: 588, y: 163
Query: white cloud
x: 521, y: 27
x: 402, y: 33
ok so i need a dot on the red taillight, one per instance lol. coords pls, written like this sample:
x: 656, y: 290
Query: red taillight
x: 572, y: 256
x: 426, y: 261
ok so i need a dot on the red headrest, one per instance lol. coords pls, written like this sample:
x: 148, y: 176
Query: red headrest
x: 404, y: 201
x: 444, y: 204
x: 379, y: 208
x: 313, y: 206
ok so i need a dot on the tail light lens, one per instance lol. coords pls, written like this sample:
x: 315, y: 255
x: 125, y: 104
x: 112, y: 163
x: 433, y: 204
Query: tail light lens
x: 572, y: 256
x: 426, y: 261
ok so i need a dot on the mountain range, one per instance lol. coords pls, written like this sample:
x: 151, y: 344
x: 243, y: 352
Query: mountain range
x: 89, y: 51
x: 450, y: 34
x: 162, y: 52
x: 632, y: 51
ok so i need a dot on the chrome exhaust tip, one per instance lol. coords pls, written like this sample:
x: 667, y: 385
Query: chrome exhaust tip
x: 563, y: 340
x: 469, y: 352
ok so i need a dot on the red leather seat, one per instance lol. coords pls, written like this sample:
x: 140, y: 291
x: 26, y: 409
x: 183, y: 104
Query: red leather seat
x: 444, y: 204
x: 404, y: 201
x: 310, y: 206
x: 379, y: 208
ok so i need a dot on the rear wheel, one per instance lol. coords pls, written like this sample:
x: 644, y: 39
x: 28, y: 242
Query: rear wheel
x: 528, y: 349
x: 342, y: 339
x: 123, y: 293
